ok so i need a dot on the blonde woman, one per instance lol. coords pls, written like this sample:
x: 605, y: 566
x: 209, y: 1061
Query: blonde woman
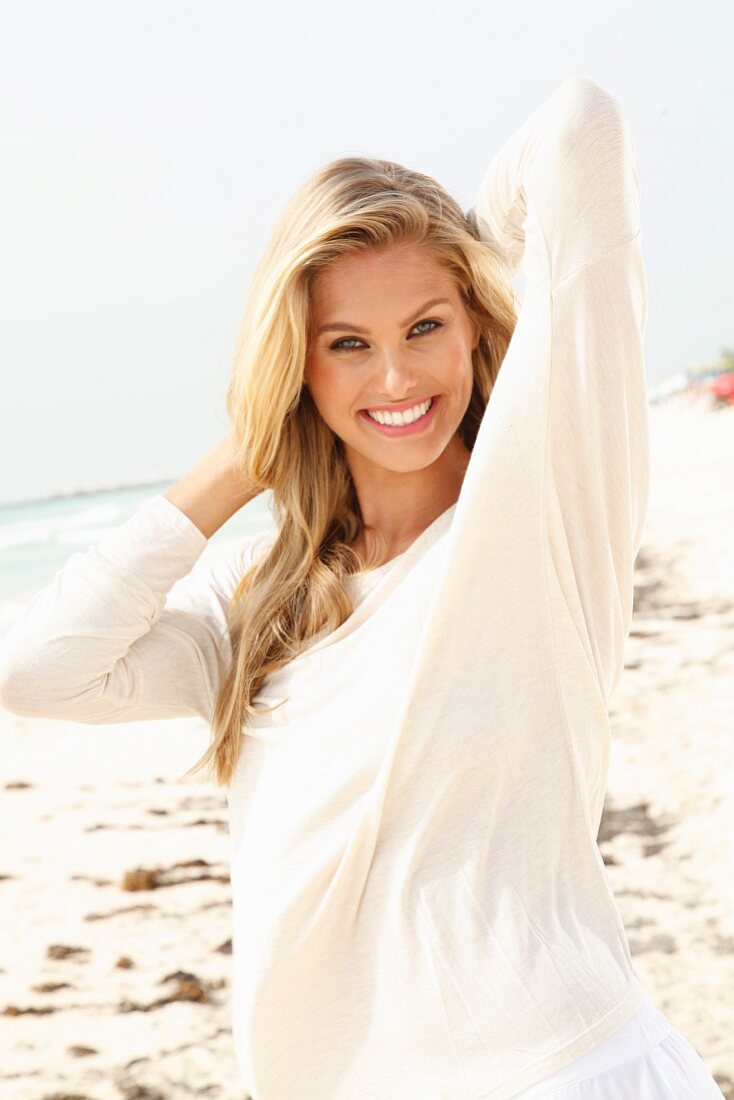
x: 408, y: 683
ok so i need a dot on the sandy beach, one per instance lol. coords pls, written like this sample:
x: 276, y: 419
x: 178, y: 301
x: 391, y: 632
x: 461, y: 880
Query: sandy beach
x: 115, y: 949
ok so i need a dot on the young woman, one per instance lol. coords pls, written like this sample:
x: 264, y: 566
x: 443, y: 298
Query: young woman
x: 408, y: 684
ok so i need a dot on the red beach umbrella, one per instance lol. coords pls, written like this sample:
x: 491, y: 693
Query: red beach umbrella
x: 722, y: 386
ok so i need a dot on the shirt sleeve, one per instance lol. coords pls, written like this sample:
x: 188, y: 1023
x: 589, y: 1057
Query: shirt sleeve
x: 561, y: 198
x: 135, y: 628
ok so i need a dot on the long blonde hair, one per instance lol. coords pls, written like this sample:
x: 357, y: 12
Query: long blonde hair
x: 296, y: 589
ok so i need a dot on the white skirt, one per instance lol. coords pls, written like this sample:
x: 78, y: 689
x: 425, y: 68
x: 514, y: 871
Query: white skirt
x: 646, y: 1059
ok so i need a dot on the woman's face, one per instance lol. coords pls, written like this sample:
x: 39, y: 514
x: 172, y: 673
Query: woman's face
x: 389, y: 330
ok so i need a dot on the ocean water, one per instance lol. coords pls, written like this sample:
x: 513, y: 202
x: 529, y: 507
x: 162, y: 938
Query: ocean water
x: 36, y: 538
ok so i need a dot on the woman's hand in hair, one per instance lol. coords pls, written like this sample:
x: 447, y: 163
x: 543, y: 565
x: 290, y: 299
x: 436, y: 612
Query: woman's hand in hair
x: 212, y: 490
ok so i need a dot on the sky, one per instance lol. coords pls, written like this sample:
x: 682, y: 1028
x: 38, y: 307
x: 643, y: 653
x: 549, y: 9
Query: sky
x: 148, y: 147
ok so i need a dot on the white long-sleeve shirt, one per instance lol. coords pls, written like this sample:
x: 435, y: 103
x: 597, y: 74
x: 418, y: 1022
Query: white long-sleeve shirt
x: 420, y: 908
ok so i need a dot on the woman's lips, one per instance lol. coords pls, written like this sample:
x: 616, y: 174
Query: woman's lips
x: 398, y: 430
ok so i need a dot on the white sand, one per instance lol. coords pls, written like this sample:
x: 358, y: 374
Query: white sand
x: 103, y: 800
x: 673, y: 723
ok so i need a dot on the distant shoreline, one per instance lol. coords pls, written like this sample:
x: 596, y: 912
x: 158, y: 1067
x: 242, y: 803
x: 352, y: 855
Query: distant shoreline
x: 87, y: 492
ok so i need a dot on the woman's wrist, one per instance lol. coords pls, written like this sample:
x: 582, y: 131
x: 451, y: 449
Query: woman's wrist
x: 212, y: 490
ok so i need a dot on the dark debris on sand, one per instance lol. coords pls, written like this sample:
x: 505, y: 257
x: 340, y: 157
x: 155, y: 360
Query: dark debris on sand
x: 143, y: 878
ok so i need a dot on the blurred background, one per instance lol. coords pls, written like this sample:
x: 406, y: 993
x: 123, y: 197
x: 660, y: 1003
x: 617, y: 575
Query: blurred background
x: 148, y: 148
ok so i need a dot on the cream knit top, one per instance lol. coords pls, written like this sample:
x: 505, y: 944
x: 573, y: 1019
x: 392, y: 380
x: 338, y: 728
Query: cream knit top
x: 420, y: 908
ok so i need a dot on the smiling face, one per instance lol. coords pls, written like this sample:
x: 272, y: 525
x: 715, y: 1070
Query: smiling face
x: 389, y: 330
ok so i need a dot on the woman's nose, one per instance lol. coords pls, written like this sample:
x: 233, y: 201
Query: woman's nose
x: 395, y: 375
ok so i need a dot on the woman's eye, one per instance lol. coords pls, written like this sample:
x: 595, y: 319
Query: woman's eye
x: 425, y: 333
x: 340, y: 344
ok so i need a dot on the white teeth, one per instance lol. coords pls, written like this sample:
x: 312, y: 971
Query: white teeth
x: 406, y: 417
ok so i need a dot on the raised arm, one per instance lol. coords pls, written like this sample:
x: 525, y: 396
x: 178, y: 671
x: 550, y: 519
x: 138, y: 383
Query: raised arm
x: 134, y: 628
x: 569, y: 409
x: 571, y: 167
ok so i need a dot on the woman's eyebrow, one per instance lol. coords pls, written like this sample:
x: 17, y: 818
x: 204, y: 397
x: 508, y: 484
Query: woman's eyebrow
x: 341, y: 326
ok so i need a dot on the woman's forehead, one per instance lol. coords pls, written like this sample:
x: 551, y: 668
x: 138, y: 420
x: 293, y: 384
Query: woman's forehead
x: 406, y: 270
